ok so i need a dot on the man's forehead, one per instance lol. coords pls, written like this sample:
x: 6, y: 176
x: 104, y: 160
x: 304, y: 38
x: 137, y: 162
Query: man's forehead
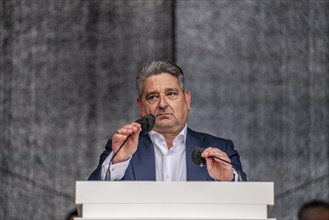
x: 151, y: 91
x: 161, y: 81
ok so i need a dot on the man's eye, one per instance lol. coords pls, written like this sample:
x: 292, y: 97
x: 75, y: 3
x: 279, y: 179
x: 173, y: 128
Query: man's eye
x: 172, y: 95
x: 152, y: 98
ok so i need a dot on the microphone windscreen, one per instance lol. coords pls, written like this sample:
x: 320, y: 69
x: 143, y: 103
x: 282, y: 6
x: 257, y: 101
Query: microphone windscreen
x: 147, y: 122
x: 197, y: 158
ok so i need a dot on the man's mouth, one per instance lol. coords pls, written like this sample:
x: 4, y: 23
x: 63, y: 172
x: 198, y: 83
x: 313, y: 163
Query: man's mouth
x: 163, y: 115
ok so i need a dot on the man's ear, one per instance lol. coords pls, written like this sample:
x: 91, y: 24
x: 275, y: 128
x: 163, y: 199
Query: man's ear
x: 187, y: 95
x: 139, y: 106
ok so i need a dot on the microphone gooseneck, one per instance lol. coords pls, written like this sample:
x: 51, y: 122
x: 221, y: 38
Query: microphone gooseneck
x: 147, y: 123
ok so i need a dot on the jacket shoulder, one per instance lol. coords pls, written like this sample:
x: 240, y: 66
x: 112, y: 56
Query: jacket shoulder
x: 205, y: 136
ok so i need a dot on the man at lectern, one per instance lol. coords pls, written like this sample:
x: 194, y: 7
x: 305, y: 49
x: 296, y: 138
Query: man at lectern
x: 159, y: 148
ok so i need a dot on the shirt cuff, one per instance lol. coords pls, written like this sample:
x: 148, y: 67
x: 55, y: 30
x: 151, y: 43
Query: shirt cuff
x: 235, y: 176
x: 117, y: 170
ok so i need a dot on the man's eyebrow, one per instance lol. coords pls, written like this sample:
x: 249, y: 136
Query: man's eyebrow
x: 151, y: 93
x: 171, y: 89
x: 157, y: 92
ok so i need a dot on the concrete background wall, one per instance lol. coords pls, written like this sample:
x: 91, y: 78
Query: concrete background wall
x: 257, y: 71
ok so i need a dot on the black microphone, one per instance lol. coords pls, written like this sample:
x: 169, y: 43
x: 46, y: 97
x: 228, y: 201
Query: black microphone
x: 200, y: 161
x: 147, y: 123
x: 197, y: 158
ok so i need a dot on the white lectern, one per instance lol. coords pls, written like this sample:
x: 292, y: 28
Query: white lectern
x: 173, y: 200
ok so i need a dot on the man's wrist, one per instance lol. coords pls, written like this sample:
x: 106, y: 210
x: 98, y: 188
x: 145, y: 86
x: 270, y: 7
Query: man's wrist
x: 232, y: 180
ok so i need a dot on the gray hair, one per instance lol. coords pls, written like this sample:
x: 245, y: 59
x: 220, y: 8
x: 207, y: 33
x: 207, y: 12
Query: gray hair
x: 156, y: 68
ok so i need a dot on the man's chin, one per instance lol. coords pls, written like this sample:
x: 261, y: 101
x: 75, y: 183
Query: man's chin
x: 163, y: 126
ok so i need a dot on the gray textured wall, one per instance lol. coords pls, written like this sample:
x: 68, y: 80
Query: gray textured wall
x: 257, y: 71
x: 259, y: 75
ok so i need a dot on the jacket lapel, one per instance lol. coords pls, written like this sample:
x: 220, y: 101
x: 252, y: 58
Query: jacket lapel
x: 194, y: 172
x: 143, y: 160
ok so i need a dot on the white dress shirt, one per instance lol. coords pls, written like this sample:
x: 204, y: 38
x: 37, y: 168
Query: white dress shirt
x: 170, y: 164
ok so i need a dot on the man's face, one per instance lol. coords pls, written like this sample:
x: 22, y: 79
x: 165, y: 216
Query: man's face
x: 163, y: 97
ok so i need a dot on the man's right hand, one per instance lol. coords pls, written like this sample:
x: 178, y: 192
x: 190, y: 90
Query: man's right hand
x: 130, y: 147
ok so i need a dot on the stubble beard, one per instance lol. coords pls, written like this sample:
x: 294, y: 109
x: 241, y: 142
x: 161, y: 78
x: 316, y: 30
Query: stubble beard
x: 168, y: 127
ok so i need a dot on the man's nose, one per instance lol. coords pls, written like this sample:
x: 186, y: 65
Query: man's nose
x: 163, y: 101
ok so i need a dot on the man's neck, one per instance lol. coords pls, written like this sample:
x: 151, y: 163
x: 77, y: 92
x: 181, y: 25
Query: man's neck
x: 170, y: 136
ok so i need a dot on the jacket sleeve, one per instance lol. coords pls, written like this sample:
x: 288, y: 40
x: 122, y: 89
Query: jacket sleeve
x: 96, y: 174
x: 235, y: 159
